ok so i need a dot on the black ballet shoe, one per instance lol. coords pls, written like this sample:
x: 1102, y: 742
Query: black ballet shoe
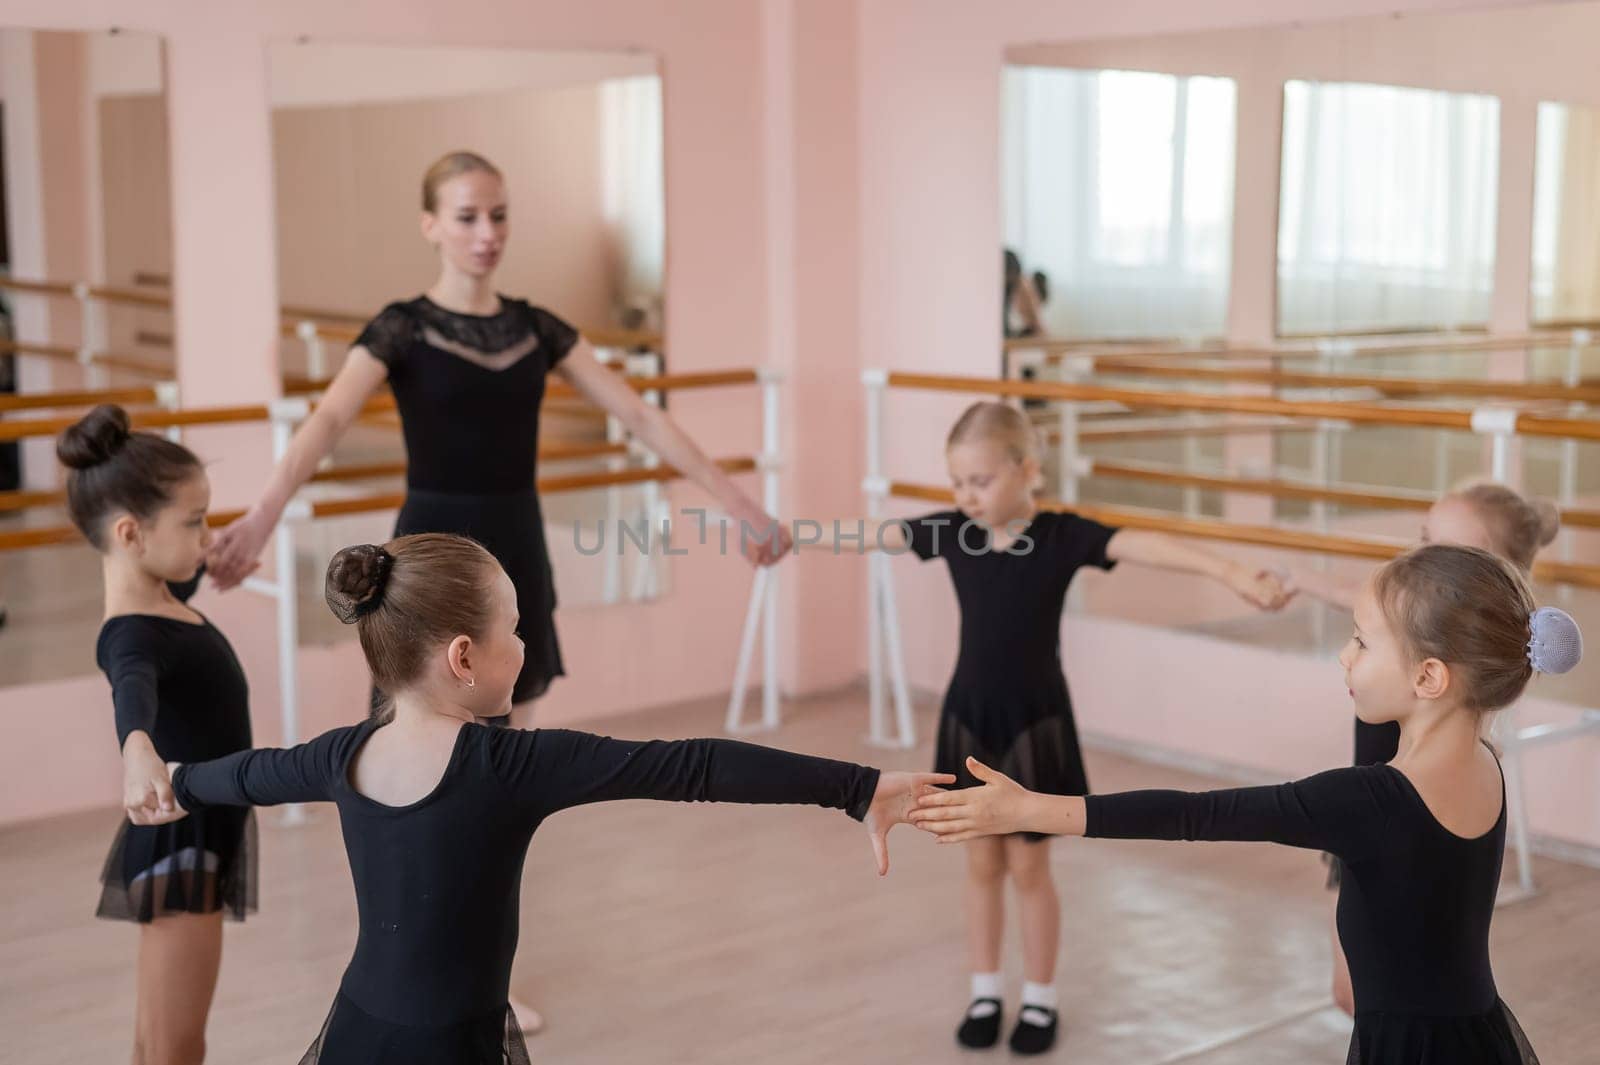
x: 980, y: 1033
x: 1027, y: 1038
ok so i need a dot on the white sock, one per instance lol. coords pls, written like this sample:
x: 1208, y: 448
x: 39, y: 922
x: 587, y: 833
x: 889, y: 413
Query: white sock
x: 985, y: 985
x: 1036, y: 999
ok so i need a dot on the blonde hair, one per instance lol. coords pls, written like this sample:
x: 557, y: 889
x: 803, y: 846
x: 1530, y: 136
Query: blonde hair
x: 451, y: 165
x: 1517, y: 526
x: 998, y: 423
x: 1468, y: 608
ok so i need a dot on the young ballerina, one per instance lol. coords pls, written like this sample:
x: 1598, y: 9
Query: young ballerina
x: 437, y: 810
x: 1482, y: 514
x: 178, y: 694
x: 1444, y: 635
x: 1007, y: 701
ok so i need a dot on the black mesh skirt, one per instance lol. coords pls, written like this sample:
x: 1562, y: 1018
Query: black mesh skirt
x: 351, y: 1036
x: 1490, y: 1038
x: 1042, y: 755
x: 200, y: 864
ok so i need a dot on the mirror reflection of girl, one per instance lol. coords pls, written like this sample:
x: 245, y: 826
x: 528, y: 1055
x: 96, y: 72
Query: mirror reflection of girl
x: 1444, y: 636
x: 1007, y: 700
x: 178, y: 693
x: 467, y: 367
x: 1482, y: 514
x: 437, y: 810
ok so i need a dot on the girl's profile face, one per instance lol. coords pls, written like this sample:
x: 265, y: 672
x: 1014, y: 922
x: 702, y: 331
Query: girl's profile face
x: 170, y: 544
x: 469, y: 223
x: 1377, y: 669
x: 991, y: 487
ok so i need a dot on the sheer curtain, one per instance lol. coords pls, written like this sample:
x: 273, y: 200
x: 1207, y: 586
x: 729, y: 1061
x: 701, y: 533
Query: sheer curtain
x: 634, y: 200
x: 1566, y: 215
x: 1119, y: 186
x: 1386, y: 215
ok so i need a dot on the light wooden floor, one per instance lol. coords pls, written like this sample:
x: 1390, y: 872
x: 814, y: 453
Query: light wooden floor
x: 658, y: 933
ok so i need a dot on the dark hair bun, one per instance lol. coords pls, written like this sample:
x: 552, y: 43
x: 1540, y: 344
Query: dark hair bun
x: 355, y: 581
x: 94, y: 438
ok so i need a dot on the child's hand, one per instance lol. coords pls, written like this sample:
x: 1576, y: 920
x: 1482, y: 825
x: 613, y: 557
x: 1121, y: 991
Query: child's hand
x: 147, y: 785
x: 893, y: 803
x: 1261, y: 588
x: 995, y: 809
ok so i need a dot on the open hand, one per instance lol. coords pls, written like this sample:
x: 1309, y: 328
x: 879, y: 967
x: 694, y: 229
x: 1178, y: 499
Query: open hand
x: 995, y: 809
x: 893, y: 804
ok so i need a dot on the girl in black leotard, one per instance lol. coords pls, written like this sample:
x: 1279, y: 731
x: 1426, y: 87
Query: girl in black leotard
x: 178, y: 693
x: 437, y: 811
x: 1443, y: 636
x: 1482, y: 514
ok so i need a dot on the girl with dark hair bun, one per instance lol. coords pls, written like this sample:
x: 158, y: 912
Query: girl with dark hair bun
x: 178, y: 694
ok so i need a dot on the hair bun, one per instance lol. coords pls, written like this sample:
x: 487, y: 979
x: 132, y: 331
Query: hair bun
x: 94, y: 438
x: 355, y: 582
x: 1555, y: 643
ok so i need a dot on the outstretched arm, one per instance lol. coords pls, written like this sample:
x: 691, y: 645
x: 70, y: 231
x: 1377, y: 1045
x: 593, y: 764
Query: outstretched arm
x: 1261, y: 588
x: 1336, y: 811
x: 768, y: 541
x: 235, y: 551
x: 547, y: 770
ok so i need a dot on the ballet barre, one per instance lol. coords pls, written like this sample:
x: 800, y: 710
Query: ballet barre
x: 1498, y: 423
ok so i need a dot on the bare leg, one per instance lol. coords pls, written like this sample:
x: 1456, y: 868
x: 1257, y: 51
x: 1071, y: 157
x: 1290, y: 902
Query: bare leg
x: 179, y: 956
x: 986, y: 915
x: 1029, y: 865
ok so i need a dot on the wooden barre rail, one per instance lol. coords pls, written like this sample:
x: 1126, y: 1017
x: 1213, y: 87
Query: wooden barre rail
x: 331, y: 325
x: 114, y: 360
x: 1255, y: 535
x: 1150, y: 432
x: 1057, y: 350
x: 85, y: 398
x: 326, y: 508
x: 142, y: 419
x: 28, y: 499
x: 1290, y: 489
x: 1394, y: 386
x: 1423, y: 417
x: 378, y: 404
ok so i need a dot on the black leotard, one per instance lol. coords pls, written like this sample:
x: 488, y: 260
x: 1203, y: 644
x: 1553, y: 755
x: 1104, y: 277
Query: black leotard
x: 437, y: 881
x: 1414, y: 905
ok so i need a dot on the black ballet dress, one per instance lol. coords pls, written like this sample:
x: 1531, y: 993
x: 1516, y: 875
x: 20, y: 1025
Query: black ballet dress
x: 438, y: 881
x: 180, y: 683
x: 1414, y: 907
x: 468, y: 389
x: 1007, y: 703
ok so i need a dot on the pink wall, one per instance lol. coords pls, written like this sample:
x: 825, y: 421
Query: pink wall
x: 861, y: 135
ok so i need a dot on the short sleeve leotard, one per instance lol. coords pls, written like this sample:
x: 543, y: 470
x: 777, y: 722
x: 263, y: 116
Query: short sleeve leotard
x: 468, y: 389
x: 1007, y: 702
